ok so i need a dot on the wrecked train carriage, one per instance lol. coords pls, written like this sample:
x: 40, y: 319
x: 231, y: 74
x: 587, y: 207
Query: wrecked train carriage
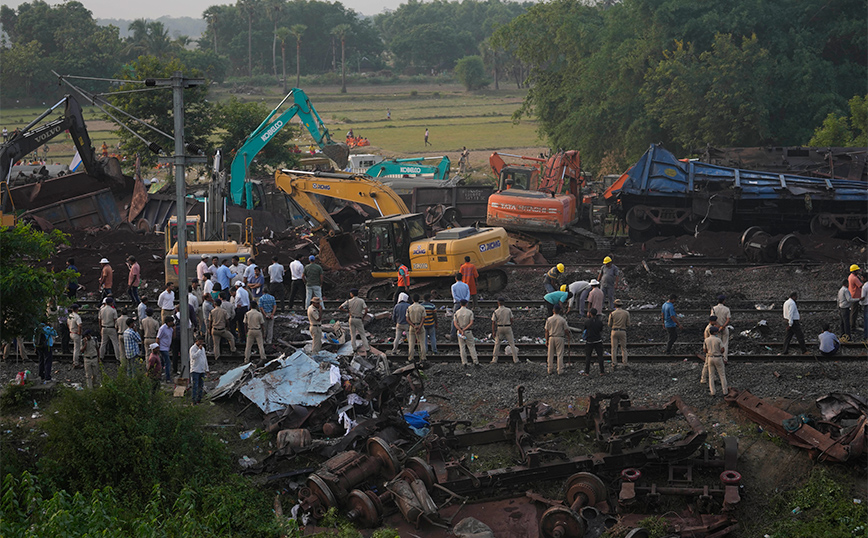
x: 661, y: 194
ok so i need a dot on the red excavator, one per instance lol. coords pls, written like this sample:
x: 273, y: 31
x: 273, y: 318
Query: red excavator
x: 540, y: 199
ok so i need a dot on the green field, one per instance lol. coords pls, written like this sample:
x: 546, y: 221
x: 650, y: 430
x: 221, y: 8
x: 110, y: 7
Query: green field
x: 482, y: 121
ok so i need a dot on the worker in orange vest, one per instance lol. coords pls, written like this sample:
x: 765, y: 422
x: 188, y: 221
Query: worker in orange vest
x: 469, y: 274
x: 403, y: 279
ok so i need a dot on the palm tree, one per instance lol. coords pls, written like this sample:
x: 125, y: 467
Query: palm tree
x: 341, y: 31
x: 274, y: 7
x: 283, y: 34
x: 297, y: 30
x: 248, y: 6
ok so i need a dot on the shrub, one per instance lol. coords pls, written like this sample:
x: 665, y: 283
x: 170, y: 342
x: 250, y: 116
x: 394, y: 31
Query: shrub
x: 470, y: 71
x: 124, y: 436
x: 233, y: 509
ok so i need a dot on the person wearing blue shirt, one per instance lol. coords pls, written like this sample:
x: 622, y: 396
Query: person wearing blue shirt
x: 557, y: 297
x: 267, y: 305
x: 224, y: 275
x: 399, y: 316
x: 670, y: 321
x: 460, y: 290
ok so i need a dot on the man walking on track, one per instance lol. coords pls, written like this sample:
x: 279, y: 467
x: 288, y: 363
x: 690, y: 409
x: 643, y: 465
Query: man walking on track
x: 501, y: 328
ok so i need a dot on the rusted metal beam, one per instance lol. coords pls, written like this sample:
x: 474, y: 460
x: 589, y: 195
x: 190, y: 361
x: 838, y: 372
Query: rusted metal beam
x: 823, y: 447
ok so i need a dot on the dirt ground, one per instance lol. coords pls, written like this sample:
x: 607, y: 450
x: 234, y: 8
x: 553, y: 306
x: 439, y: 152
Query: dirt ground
x: 485, y: 394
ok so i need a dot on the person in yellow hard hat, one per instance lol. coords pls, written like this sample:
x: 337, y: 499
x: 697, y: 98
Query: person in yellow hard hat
x: 854, y: 284
x: 608, y: 278
x: 552, y: 277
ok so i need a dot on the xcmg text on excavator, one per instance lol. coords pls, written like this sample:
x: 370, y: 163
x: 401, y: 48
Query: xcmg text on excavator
x: 397, y: 235
x: 240, y: 186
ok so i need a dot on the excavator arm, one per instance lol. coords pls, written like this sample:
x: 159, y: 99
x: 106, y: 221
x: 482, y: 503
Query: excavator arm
x: 497, y: 163
x: 411, y: 166
x: 239, y: 185
x: 303, y: 187
x: 29, y: 140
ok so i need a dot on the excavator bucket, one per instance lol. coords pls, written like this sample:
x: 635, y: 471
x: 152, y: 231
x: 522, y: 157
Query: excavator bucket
x: 339, y: 153
x: 340, y: 252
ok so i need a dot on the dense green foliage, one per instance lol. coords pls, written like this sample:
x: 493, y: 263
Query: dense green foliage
x: 23, y: 254
x: 125, y: 436
x: 845, y: 131
x: 233, y: 508
x: 239, y: 120
x: 611, y: 78
x: 156, y: 107
x: 471, y: 72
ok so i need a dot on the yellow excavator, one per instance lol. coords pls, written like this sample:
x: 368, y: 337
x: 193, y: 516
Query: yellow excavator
x: 196, y: 248
x: 397, y: 235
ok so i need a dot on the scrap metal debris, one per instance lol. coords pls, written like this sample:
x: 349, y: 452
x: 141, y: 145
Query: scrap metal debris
x: 840, y: 437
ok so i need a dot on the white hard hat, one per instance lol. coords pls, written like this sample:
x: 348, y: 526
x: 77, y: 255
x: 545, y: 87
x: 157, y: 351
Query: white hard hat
x: 154, y: 345
x: 594, y: 282
x: 104, y: 260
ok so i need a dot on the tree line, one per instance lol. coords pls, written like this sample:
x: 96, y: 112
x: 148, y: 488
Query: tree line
x: 605, y: 77
x: 612, y: 77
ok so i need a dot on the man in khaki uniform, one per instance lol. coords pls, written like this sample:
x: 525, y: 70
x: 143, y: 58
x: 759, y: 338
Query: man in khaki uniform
x: 73, y: 321
x: 120, y: 327
x: 463, y: 320
x: 724, y: 318
x: 254, y: 321
x: 218, y: 320
x: 357, y: 308
x: 501, y: 328
x: 314, y: 317
x: 713, y: 348
x: 556, y: 331
x: 108, y: 317
x: 150, y: 326
x: 619, y: 321
x: 415, y: 332
x: 712, y: 322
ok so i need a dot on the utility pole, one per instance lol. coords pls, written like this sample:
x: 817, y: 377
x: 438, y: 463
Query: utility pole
x: 180, y: 160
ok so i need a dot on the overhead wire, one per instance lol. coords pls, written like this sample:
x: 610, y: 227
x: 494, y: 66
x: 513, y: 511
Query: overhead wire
x: 93, y: 99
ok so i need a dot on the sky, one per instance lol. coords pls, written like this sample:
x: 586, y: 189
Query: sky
x: 152, y: 9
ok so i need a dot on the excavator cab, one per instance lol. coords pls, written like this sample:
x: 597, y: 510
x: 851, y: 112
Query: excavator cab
x: 193, y: 232
x: 518, y: 177
x: 389, y: 239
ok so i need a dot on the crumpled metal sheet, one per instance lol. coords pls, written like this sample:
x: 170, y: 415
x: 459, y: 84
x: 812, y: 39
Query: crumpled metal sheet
x: 230, y: 381
x: 297, y: 380
x: 836, y: 406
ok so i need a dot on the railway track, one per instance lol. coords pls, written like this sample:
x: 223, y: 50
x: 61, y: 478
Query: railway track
x: 804, y: 306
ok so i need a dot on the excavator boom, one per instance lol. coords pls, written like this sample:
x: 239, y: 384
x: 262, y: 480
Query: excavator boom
x: 27, y: 140
x: 412, y: 167
x: 338, y: 152
x: 303, y: 187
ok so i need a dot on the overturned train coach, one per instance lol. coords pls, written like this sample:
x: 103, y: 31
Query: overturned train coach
x: 661, y: 194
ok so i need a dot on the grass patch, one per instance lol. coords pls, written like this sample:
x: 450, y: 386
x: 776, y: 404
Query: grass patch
x: 821, y: 507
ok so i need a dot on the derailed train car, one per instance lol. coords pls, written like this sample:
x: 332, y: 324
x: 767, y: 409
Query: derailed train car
x: 661, y: 194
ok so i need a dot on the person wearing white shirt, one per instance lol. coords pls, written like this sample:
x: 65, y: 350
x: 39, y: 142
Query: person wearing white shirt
x: 198, y: 369
x: 201, y: 269
x: 794, y: 325
x: 242, y: 305
x: 237, y: 270
x: 215, y: 264
x: 845, y: 301
x: 208, y: 285
x: 296, y: 272
x: 275, y: 279
x: 864, y: 302
x: 576, y: 288
x: 249, y: 272
x: 166, y: 302
x: 142, y: 310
